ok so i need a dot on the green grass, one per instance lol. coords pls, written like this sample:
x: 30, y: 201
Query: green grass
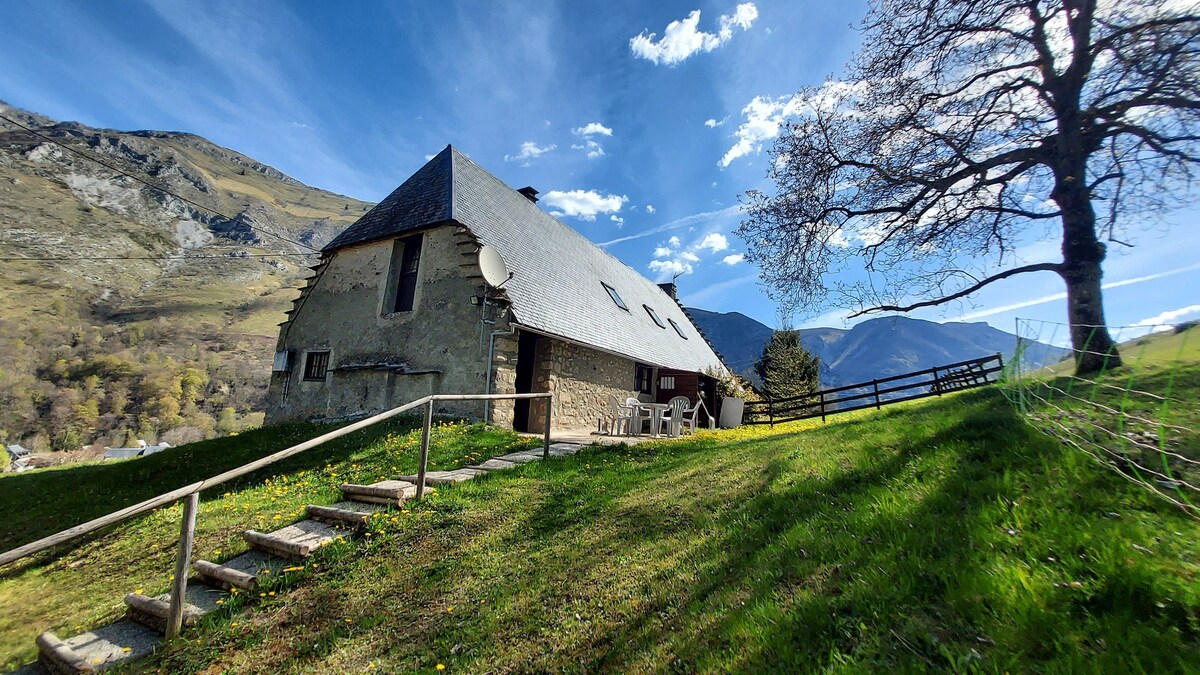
x: 945, y: 535
x: 84, y: 586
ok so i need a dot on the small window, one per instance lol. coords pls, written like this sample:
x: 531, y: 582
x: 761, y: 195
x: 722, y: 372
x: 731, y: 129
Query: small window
x: 612, y: 293
x: 405, y: 267
x: 667, y: 382
x: 316, y: 364
x: 643, y: 379
x: 654, y: 316
x: 677, y: 328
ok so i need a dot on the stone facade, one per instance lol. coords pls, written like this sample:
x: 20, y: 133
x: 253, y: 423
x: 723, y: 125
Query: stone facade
x: 380, y: 359
x: 581, y: 379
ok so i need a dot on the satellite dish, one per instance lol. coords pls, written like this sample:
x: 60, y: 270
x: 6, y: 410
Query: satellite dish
x: 495, y: 272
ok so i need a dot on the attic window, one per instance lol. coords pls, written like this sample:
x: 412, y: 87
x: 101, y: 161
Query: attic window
x: 316, y: 364
x: 677, y: 329
x: 654, y: 316
x: 612, y: 293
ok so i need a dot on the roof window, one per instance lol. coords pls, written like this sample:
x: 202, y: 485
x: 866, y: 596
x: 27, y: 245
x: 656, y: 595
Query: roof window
x: 612, y: 293
x: 654, y: 316
x: 677, y: 329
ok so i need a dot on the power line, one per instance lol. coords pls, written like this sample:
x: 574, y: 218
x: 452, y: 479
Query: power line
x: 147, y: 183
x: 152, y: 257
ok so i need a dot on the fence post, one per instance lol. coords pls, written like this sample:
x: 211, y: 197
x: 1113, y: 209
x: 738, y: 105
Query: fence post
x: 546, y: 440
x: 822, y: 405
x: 937, y: 388
x: 875, y: 383
x: 770, y: 413
x: 424, y: 450
x: 183, y: 564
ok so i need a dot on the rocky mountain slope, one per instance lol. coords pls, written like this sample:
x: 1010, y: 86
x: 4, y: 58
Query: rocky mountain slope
x: 881, y: 347
x: 144, y: 313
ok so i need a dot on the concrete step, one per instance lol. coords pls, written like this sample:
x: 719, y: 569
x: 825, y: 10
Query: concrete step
x: 98, y: 649
x: 383, y: 492
x: 223, y: 577
x: 560, y: 449
x: 152, y: 612
x: 521, y: 457
x: 297, y: 541
x: 440, y: 477
x: 494, y: 465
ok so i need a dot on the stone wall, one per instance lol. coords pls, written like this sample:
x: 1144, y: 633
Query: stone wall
x: 581, y: 379
x: 345, y: 313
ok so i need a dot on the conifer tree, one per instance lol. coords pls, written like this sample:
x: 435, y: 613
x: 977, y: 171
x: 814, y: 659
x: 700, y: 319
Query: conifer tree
x: 786, y: 368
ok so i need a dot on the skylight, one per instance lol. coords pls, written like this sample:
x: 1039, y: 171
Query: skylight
x: 612, y: 293
x: 654, y: 316
x: 677, y: 329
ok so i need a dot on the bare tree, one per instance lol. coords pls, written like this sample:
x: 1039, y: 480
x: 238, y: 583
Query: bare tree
x: 962, y: 126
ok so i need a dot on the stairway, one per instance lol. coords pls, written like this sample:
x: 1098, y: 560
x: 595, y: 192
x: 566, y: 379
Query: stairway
x: 141, y: 631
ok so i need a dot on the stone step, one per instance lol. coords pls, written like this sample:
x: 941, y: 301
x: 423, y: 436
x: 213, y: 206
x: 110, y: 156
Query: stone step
x: 223, y: 577
x: 440, y: 477
x: 494, y: 465
x: 338, y: 516
x: 383, y: 492
x: 97, y: 649
x: 563, y: 448
x: 521, y: 457
x: 152, y: 612
x: 296, y: 541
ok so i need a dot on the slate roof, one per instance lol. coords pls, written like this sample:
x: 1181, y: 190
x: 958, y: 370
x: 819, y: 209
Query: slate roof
x: 556, y: 287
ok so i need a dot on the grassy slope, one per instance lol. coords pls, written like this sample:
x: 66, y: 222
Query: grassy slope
x: 946, y: 534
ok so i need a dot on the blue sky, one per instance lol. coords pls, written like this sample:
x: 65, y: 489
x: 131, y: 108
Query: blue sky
x: 640, y: 122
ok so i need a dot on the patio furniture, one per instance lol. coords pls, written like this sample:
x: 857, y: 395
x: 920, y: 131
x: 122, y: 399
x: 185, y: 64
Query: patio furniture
x: 656, y: 413
x: 673, y: 416
x: 688, y: 417
x: 619, y: 414
x: 640, y: 414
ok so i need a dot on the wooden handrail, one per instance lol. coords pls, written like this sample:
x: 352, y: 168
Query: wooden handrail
x: 128, y: 512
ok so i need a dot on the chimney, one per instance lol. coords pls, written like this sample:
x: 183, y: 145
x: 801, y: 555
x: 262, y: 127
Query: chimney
x: 670, y: 289
x: 529, y: 193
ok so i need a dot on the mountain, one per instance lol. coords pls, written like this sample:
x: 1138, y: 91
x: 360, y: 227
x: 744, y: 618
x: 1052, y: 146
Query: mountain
x: 147, y: 315
x: 876, y: 348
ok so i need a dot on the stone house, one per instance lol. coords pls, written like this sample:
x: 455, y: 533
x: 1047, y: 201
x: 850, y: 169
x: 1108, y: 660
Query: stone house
x: 398, y: 308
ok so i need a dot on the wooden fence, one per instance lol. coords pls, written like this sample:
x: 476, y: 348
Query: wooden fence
x: 930, y: 382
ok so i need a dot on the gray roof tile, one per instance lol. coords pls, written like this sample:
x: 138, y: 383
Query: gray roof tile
x: 557, y: 272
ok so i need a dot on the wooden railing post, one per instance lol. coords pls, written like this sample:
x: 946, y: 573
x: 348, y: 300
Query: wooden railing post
x: 546, y: 440
x: 875, y: 383
x: 936, y: 386
x: 771, y: 413
x: 424, y: 449
x: 822, y: 405
x: 183, y: 565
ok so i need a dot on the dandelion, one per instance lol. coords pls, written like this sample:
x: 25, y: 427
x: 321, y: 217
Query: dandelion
x: 450, y: 608
x: 441, y: 666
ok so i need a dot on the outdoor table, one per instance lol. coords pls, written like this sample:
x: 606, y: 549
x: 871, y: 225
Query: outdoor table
x: 656, y: 411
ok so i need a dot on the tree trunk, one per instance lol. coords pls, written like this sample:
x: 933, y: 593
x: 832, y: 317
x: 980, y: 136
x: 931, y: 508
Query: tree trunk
x: 1094, y: 348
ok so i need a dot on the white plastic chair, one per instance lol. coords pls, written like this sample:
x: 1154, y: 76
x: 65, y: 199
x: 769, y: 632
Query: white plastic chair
x: 620, y: 414
x: 640, y: 415
x: 672, y: 417
x: 688, y: 417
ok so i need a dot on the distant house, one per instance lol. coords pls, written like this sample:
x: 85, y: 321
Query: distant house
x: 141, y: 450
x: 398, y: 308
x: 16, y: 452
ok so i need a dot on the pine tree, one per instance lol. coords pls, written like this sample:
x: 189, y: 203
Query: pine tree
x: 786, y: 368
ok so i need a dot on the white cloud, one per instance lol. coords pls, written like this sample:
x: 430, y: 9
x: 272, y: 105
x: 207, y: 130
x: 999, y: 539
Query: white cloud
x: 662, y: 252
x: 680, y: 40
x: 650, y: 209
x: 711, y: 123
x: 583, y: 204
x: 733, y: 259
x: 715, y: 241
x: 689, y: 256
x: 593, y: 148
x: 670, y: 268
x: 674, y: 242
x: 617, y: 219
x: 764, y: 116
x: 529, y: 150
x: 1164, y: 321
x: 592, y: 128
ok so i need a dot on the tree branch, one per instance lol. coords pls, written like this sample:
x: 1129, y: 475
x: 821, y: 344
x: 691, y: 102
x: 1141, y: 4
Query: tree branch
x: 1039, y: 267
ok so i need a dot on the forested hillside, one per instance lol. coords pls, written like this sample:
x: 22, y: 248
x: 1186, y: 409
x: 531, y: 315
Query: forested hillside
x: 130, y: 313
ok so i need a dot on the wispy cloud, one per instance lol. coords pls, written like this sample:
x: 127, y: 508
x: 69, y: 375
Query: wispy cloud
x: 681, y: 39
x: 529, y: 150
x: 583, y: 204
x: 686, y: 221
x: 714, y: 291
x: 1165, y: 320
